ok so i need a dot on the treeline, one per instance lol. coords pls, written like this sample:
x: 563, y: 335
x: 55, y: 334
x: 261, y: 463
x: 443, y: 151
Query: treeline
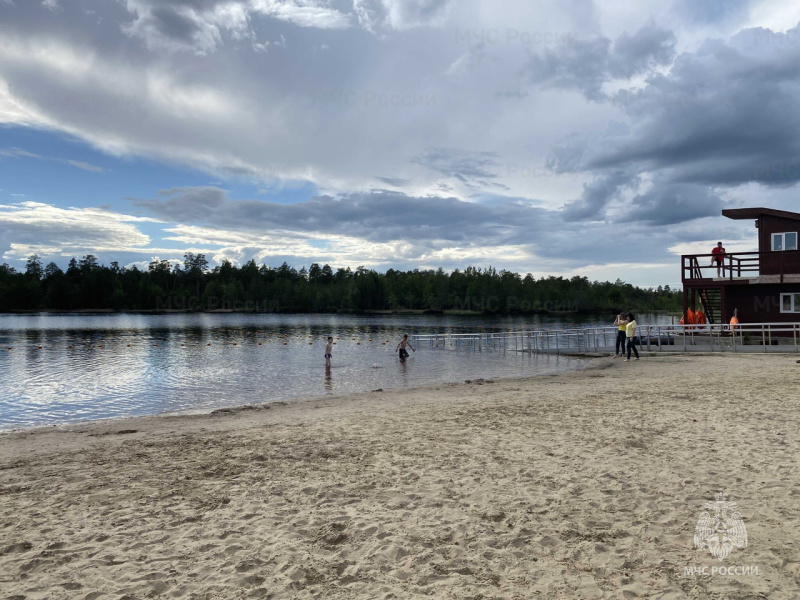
x: 87, y: 285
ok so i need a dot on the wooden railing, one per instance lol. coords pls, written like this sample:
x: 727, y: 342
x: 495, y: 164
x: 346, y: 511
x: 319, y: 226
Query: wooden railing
x: 743, y: 337
x: 740, y: 265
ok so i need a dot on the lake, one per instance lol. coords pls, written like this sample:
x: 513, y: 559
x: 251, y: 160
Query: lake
x: 65, y: 368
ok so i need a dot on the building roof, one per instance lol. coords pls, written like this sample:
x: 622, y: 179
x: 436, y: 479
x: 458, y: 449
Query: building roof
x: 754, y: 213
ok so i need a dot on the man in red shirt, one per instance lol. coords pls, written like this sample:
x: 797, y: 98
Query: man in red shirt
x: 717, y: 256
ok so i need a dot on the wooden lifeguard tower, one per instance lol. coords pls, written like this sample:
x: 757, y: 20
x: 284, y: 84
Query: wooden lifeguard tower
x: 761, y: 287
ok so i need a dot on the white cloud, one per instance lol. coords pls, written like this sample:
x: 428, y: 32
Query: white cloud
x: 84, y: 166
x: 406, y: 14
x: 45, y: 229
x: 202, y: 26
x: 777, y: 15
x: 21, y: 153
x: 17, y: 152
x: 439, y: 101
x: 705, y: 246
x: 305, y: 13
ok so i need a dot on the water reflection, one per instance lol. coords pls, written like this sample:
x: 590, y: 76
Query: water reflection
x: 66, y: 368
x: 403, y: 369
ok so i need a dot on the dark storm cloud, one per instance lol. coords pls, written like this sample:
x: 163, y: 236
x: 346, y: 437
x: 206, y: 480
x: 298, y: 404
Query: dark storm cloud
x: 169, y: 22
x: 476, y: 170
x: 724, y: 115
x: 187, y: 24
x: 596, y: 196
x: 378, y: 216
x: 429, y: 223
x: 458, y: 163
x: 187, y: 204
x: 721, y: 117
x: 673, y: 203
x: 641, y: 51
x: 586, y: 64
x: 578, y: 64
x: 394, y: 181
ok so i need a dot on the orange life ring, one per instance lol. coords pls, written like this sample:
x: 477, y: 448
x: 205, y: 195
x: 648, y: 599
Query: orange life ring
x: 734, y: 323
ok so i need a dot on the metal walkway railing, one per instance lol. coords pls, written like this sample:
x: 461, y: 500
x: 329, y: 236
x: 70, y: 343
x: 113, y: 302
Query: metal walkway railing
x: 744, y: 337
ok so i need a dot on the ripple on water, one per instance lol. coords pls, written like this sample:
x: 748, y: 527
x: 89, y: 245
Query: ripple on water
x: 121, y: 365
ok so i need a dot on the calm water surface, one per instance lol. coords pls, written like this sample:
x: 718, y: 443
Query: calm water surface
x: 116, y: 365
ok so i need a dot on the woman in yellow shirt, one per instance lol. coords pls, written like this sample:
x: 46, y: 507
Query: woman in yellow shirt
x: 630, y: 334
x: 621, y: 321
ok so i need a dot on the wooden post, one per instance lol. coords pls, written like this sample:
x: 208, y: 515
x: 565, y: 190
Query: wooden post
x: 685, y: 301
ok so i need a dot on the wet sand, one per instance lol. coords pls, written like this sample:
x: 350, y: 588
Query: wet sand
x: 586, y: 484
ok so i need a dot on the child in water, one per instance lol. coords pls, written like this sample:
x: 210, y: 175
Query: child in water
x: 328, y: 352
x: 402, y: 347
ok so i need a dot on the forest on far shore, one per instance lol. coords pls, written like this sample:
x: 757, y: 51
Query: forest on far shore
x: 164, y: 286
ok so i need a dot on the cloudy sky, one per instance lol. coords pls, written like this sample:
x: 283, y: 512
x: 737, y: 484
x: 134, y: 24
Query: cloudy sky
x: 551, y: 136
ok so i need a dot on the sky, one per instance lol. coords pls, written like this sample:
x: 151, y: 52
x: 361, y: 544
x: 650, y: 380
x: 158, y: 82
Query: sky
x: 555, y: 137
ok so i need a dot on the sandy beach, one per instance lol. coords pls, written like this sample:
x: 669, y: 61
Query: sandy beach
x: 587, y: 484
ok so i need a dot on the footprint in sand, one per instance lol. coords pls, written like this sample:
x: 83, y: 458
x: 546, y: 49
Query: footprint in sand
x: 253, y: 580
x: 246, y: 566
x: 71, y: 585
x: 15, y: 548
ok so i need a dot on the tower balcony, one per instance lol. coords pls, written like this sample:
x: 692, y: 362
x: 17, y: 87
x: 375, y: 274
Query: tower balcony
x: 742, y: 268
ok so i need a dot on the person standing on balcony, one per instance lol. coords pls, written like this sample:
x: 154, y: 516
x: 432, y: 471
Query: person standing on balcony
x: 717, y: 258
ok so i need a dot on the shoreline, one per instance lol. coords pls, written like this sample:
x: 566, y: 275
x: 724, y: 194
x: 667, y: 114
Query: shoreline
x: 588, y: 483
x: 588, y: 359
x: 578, y: 362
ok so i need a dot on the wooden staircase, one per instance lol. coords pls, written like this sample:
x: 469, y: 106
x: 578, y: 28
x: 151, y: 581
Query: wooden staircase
x: 711, y: 299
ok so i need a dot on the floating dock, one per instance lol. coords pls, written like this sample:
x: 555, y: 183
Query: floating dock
x: 743, y: 337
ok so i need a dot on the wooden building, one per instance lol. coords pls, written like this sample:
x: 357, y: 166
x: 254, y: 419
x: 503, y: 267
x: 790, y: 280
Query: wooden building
x: 759, y: 287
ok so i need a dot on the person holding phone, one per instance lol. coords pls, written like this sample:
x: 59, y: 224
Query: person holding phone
x: 630, y: 335
x: 621, y: 322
